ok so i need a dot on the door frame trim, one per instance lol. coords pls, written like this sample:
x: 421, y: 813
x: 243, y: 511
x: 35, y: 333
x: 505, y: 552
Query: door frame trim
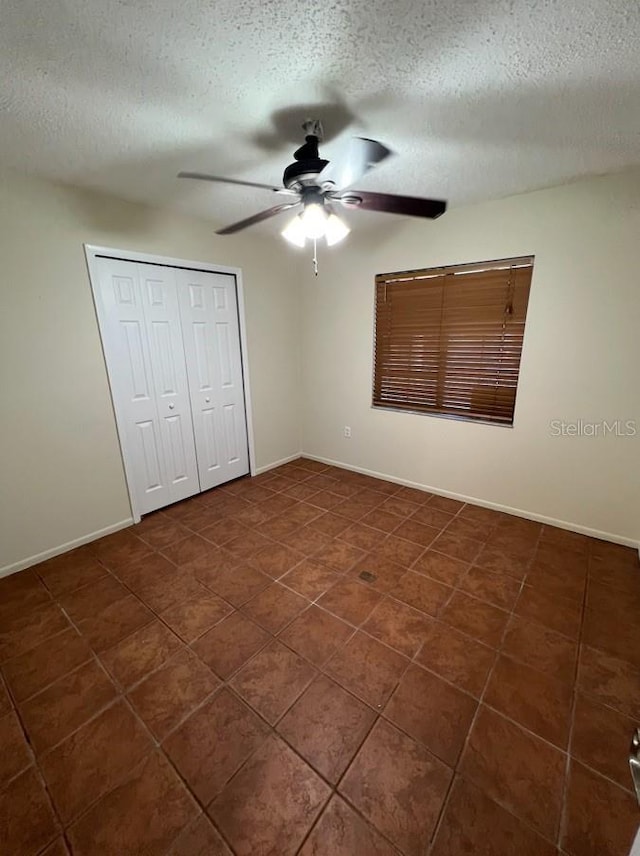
x: 92, y: 252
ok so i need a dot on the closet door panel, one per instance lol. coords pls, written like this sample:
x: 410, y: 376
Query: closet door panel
x: 124, y: 337
x: 158, y: 287
x: 209, y: 312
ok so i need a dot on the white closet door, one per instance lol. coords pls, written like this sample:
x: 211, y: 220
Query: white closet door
x: 162, y: 314
x: 141, y: 335
x: 209, y: 312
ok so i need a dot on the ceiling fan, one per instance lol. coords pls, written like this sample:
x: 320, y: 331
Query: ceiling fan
x: 319, y: 186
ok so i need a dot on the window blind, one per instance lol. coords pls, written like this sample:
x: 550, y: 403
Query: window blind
x: 448, y: 340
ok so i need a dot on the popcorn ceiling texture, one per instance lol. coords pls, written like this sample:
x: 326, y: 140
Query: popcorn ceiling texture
x: 479, y: 99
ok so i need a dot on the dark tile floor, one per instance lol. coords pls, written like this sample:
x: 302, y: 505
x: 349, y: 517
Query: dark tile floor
x: 318, y: 662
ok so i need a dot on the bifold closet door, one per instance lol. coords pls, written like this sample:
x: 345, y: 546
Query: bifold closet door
x: 142, y: 339
x: 209, y: 312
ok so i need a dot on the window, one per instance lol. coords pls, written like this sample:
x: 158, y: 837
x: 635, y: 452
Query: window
x: 448, y: 340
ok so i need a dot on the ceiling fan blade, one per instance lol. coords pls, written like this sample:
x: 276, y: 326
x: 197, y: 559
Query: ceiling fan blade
x: 203, y: 176
x: 355, y: 161
x: 256, y: 218
x: 390, y: 203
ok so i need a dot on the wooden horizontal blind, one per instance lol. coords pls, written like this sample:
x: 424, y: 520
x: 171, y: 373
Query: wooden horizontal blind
x: 448, y: 340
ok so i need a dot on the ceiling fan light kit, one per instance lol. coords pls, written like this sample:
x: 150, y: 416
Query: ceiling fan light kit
x: 314, y: 222
x: 317, y: 184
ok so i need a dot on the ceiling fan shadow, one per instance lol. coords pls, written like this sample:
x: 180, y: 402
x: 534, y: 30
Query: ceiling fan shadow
x: 286, y: 123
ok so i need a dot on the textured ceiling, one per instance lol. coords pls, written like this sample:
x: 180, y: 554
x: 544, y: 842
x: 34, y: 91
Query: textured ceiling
x: 478, y: 98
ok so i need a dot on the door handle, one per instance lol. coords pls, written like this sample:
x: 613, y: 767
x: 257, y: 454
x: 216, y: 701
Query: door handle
x: 634, y: 761
x: 171, y: 406
x: 207, y: 400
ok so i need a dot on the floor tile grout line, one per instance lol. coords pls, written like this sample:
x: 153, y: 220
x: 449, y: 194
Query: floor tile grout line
x: 160, y: 748
x: 46, y: 686
x: 60, y: 827
x: 333, y: 787
x: 112, y: 701
x: 273, y: 731
x: 457, y: 769
x: 156, y: 744
x: 37, y: 756
x: 568, y: 764
x: 441, y: 814
x: 75, y: 818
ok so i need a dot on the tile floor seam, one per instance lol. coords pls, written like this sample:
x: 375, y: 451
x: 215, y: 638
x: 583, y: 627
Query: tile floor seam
x: 94, y: 657
x: 181, y: 722
x: 441, y: 814
x: 60, y: 830
x: 177, y: 541
x: 333, y: 786
x: 273, y: 732
x: 522, y: 662
x: 475, y: 597
x: 352, y: 627
x: 78, y: 815
x: 202, y: 806
x: 525, y: 821
x: 242, y: 665
x: 51, y: 683
x: 157, y: 614
x: 562, y: 827
x: 123, y: 781
x: 378, y: 708
x: 31, y: 760
x: 446, y: 680
x: 316, y: 820
x: 281, y: 716
x: 481, y: 702
x: 340, y: 795
x: 155, y: 745
x: 517, y: 724
x: 335, y: 794
x: 127, y: 689
x: 441, y: 811
x: 598, y: 701
x: 40, y: 775
x: 49, y: 750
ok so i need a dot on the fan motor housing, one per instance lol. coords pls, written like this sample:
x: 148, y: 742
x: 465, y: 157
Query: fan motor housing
x: 304, y: 171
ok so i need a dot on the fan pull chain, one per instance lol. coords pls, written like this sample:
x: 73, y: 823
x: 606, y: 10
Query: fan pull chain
x: 315, y: 257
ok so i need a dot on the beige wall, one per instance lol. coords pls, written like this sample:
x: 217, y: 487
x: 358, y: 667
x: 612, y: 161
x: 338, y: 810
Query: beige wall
x: 62, y: 476
x: 581, y: 357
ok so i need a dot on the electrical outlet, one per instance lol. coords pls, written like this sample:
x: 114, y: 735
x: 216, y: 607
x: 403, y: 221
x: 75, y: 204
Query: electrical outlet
x: 347, y: 431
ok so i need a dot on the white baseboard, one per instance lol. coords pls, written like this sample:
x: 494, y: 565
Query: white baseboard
x: 518, y: 512
x: 63, y: 548
x: 507, y: 509
x: 275, y: 464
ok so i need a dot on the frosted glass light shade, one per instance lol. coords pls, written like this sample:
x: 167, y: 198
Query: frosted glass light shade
x: 294, y: 232
x: 336, y: 230
x: 314, y: 220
